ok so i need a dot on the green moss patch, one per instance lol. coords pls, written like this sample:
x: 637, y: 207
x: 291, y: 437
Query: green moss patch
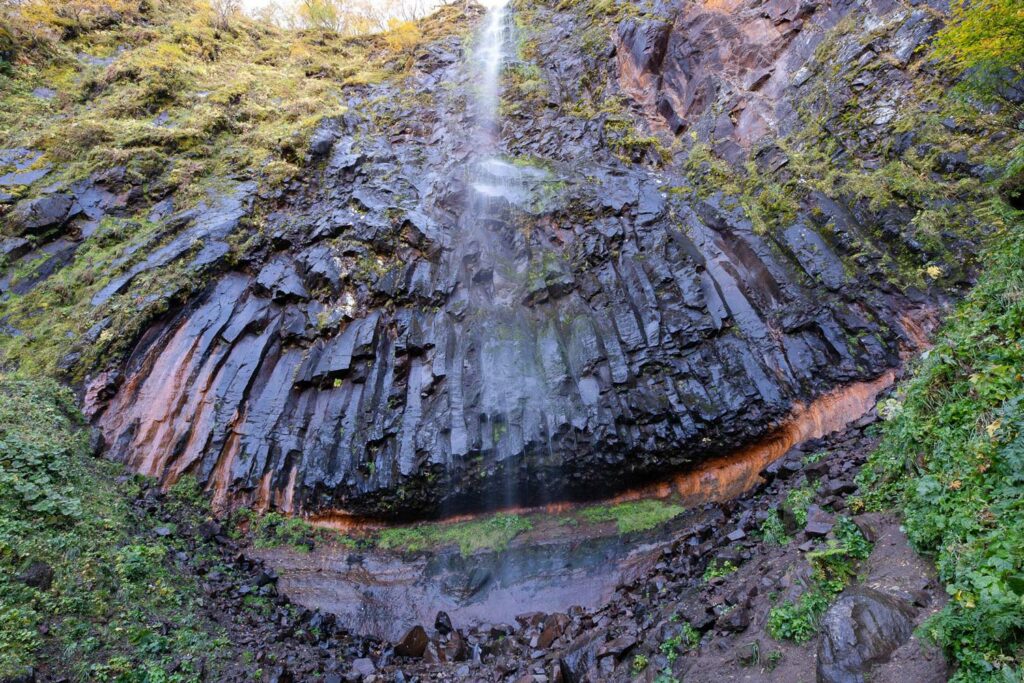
x: 490, y: 533
x: 641, y: 515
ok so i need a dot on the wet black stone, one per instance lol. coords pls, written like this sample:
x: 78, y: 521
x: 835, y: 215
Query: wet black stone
x: 443, y: 623
x: 861, y: 628
x: 36, y: 216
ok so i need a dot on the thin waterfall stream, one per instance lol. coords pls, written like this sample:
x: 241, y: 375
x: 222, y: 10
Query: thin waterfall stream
x: 514, y: 387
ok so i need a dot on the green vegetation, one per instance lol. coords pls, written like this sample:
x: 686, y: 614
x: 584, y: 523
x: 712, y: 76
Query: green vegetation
x: 798, y: 500
x: 798, y: 621
x: 186, y: 105
x: 985, y: 36
x: 240, y: 98
x: 814, y: 457
x: 821, y: 156
x: 491, y: 533
x: 687, y: 639
x: 952, y: 457
x: 773, y: 531
x: 640, y: 663
x: 833, y: 568
x: 273, y: 530
x: 117, y: 608
x: 951, y: 454
x: 639, y: 515
x: 715, y: 569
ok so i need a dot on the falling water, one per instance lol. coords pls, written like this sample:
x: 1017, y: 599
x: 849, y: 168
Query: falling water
x: 489, y: 58
x: 511, y: 383
x: 493, y: 182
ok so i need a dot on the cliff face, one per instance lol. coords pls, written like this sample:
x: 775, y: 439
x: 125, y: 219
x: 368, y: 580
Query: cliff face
x: 654, y: 274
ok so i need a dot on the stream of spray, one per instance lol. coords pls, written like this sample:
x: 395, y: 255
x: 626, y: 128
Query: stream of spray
x: 489, y: 58
x: 511, y: 382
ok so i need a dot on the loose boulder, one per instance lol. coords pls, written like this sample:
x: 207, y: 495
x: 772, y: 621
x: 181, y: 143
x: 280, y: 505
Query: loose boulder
x: 413, y: 643
x: 36, y: 216
x: 37, y: 575
x: 862, y: 628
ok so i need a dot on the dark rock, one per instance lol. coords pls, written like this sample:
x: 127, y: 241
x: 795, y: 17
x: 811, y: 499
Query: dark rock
x: 26, y: 676
x: 863, y: 627
x: 208, y: 530
x: 364, y: 666
x: 432, y: 655
x: 413, y: 643
x: 322, y: 139
x: 819, y: 522
x: 266, y: 577
x: 554, y: 627
x: 580, y: 657
x: 455, y: 649
x: 280, y: 674
x: 417, y: 313
x: 736, y: 619
x: 443, y: 623
x: 37, y: 575
x: 695, y: 611
x: 617, y: 647
x: 36, y: 216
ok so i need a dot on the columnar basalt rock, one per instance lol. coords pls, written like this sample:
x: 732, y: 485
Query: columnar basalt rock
x: 627, y: 329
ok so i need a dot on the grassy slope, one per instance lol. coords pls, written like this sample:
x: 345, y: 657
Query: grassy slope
x: 117, y: 609
x: 953, y: 458
x: 952, y: 455
x: 184, y: 107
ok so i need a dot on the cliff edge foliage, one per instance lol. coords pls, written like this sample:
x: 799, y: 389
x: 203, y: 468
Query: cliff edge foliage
x: 171, y: 99
x: 953, y: 449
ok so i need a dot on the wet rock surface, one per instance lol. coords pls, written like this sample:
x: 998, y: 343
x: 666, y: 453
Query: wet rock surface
x: 670, y: 599
x: 411, y: 339
x: 864, y: 626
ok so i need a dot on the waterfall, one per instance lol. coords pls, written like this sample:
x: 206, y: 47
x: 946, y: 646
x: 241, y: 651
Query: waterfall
x: 498, y: 330
x: 489, y: 58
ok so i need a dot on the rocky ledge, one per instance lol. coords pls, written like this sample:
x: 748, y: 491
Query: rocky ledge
x: 684, y: 621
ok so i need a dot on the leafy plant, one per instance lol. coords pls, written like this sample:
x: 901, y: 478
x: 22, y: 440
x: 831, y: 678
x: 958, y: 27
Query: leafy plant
x: 798, y: 501
x: 111, y: 581
x: 686, y: 639
x: 952, y: 457
x: 772, y: 530
x: 798, y: 621
x: 274, y: 529
x: 852, y: 539
x: 816, y: 456
x: 716, y: 569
